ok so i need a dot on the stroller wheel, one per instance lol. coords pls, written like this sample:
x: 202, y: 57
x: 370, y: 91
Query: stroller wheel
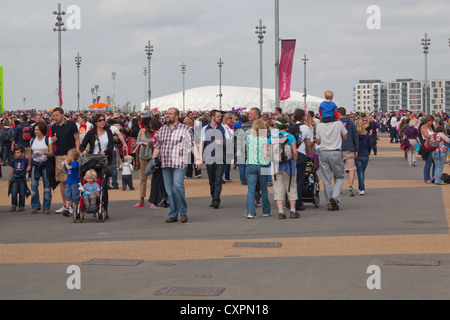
x: 81, y: 216
x: 103, y: 215
x: 316, y: 201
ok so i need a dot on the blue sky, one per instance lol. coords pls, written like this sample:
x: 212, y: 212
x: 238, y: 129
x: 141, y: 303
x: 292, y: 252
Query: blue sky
x: 113, y: 35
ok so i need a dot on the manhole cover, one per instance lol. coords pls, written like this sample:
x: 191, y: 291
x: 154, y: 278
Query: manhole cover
x: 189, y: 291
x: 412, y: 262
x: 113, y: 262
x: 257, y: 244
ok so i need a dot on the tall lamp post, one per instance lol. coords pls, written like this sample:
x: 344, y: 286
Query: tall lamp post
x: 145, y: 71
x: 220, y: 95
x: 78, y: 63
x: 183, y: 72
x: 149, y: 52
x: 260, y: 31
x: 59, y: 27
x: 426, y: 44
x: 305, y: 60
x: 113, y: 76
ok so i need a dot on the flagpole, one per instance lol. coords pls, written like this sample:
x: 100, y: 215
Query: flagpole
x: 277, y: 53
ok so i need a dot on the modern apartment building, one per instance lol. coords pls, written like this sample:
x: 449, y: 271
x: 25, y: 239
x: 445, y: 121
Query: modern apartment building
x: 370, y: 96
x: 440, y: 96
x: 401, y: 94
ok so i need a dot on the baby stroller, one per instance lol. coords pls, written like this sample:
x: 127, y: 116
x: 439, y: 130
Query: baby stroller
x: 99, y: 163
x: 312, y: 183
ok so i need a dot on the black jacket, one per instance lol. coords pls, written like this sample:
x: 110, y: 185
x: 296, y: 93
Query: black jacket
x: 91, y: 139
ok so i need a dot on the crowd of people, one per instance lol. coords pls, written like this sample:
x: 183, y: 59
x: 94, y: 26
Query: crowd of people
x: 269, y: 150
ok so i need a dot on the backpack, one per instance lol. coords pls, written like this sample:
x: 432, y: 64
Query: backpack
x: 281, y: 152
x: 6, y: 135
x: 445, y: 178
x: 431, y: 143
x: 294, y: 129
x: 26, y: 132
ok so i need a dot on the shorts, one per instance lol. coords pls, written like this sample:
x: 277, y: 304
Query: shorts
x: 349, y: 160
x: 281, y: 186
x: 72, y: 193
x: 60, y: 175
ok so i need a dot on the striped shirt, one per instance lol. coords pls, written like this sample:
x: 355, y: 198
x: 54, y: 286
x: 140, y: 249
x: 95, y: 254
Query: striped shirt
x: 174, y: 145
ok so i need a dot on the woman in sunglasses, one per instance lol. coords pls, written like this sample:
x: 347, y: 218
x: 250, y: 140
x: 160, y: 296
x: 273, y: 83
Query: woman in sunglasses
x: 101, y: 141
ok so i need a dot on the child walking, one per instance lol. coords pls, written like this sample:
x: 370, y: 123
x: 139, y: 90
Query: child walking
x: 72, y: 167
x: 17, y: 183
x: 127, y: 167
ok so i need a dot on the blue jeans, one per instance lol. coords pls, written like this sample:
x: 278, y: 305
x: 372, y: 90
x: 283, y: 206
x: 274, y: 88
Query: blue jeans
x: 426, y: 169
x: 394, y: 135
x: 35, y: 203
x: 174, y: 184
x: 253, y: 175
x: 242, y: 170
x: 361, y: 165
x: 439, y: 162
x: 18, y: 188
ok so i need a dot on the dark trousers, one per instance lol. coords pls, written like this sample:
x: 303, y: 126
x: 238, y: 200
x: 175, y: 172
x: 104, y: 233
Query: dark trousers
x: 301, y: 170
x: 191, y: 168
x: 215, y: 173
x: 127, y: 180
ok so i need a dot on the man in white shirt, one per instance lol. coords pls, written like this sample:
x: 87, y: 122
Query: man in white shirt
x: 394, y: 131
x: 329, y: 137
x: 304, y: 147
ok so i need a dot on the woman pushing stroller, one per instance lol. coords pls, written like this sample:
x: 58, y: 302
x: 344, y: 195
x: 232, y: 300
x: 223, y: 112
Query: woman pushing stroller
x: 100, y: 140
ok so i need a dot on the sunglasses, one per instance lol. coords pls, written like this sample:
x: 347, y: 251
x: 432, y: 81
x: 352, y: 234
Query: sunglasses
x: 101, y: 120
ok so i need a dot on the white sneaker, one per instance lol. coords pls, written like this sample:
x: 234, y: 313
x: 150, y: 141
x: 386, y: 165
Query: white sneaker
x: 361, y: 193
x: 61, y: 210
x: 250, y: 216
x: 70, y: 210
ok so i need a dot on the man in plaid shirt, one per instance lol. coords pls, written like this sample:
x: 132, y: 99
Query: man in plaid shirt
x: 173, y: 144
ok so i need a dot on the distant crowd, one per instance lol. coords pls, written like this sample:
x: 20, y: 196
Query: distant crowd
x: 277, y: 149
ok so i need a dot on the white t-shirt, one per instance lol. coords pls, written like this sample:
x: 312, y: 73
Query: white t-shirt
x: 37, y: 147
x: 330, y: 135
x: 104, y: 142
x: 306, y: 135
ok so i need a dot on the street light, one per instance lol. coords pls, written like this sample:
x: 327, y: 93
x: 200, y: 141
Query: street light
x: 59, y: 27
x: 145, y: 71
x: 149, y: 52
x: 95, y: 97
x: 113, y: 75
x: 260, y: 31
x: 220, y: 95
x: 426, y: 44
x: 305, y: 60
x: 183, y: 71
x: 78, y: 63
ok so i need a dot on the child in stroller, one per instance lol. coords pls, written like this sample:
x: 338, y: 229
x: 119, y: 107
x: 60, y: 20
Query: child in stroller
x: 98, y: 164
x: 91, y: 191
x: 312, y: 183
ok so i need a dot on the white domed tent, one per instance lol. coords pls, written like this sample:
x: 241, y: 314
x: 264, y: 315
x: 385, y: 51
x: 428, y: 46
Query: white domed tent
x: 206, y: 98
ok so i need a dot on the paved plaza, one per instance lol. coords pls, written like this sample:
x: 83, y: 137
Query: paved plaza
x: 400, y: 227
